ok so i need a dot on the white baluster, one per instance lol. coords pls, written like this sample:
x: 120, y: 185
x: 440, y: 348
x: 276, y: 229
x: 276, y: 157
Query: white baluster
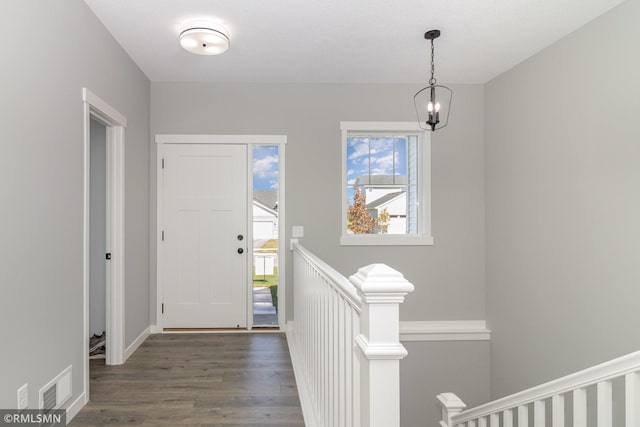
x: 605, y: 408
x: 580, y: 407
x: 507, y: 418
x: 539, y: 413
x: 557, y: 410
x: 323, y: 357
x: 632, y: 399
x: 327, y: 354
x: 337, y: 356
x: 523, y: 416
x: 317, y: 339
x: 330, y: 356
x: 471, y: 423
x: 494, y: 420
x: 342, y: 355
x: 348, y: 365
x: 482, y: 422
x: 382, y: 290
x: 356, y: 373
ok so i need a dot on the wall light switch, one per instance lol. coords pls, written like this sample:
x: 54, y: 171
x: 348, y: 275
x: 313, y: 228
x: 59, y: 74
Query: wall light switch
x: 297, y: 231
x: 23, y: 396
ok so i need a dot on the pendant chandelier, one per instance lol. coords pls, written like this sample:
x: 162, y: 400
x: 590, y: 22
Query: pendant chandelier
x: 433, y: 103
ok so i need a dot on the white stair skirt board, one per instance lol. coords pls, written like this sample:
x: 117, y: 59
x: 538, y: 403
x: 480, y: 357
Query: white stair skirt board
x: 445, y: 330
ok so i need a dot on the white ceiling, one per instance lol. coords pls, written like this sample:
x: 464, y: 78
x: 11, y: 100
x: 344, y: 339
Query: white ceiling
x: 343, y: 41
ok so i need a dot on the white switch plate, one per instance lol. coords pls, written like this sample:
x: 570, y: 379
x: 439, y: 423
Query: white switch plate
x: 297, y: 231
x: 23, y: 396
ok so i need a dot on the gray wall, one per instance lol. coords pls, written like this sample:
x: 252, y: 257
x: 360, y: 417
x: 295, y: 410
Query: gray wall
x: 41, y: 186
x: 432, y: 368
x: 449, y: 276
x: 98, y: 237
x: 563, y: 205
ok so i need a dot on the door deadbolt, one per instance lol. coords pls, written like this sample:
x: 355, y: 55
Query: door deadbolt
x: 240, y: 237
x: 240, y: 250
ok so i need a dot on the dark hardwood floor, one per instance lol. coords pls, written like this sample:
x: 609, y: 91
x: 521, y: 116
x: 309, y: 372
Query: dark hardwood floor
x: 197, y: 380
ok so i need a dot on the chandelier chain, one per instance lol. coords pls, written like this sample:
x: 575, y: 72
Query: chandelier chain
x: 432, y: 80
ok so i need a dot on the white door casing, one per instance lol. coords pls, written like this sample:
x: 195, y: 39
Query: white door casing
x: 165, y: 140
x: 205, y: 213
x: 96, y: 108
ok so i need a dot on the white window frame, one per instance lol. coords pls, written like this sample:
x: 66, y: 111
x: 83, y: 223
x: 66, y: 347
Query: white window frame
x: 424, y: 237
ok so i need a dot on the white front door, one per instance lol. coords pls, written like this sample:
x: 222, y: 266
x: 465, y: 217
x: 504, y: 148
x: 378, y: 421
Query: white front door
x: 205, y: 221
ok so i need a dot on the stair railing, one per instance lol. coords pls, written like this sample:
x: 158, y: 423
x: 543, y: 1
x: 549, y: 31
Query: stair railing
x: 345, y: 342
x: 598, y: 379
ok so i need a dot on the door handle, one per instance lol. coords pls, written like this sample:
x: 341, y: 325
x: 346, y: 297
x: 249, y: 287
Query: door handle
x: 240, y: 250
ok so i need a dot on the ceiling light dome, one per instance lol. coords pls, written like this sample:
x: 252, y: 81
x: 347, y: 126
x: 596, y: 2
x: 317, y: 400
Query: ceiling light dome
x: 204, y: 38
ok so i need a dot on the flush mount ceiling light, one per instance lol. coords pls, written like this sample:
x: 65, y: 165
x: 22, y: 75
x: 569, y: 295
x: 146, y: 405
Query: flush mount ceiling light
x: 204, y: 38
x: 433, y: 102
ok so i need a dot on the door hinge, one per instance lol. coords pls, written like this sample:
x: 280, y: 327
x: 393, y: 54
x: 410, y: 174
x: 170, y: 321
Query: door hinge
x: 163, y: 235
x: 162, y: 308
x: 162, y: 163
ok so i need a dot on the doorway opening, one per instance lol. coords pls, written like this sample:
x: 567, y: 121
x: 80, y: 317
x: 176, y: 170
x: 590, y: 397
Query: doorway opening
x: 241, y: 245
x: 98, y: 242
x: 265, y: 203
x: 114, y: 124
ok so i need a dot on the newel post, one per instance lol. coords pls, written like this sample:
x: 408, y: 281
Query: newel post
x: 451, y: 405
x: 382, y: 290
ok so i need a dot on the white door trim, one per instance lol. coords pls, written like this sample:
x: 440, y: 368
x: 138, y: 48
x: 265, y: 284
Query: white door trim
x: 97, y: 109
x: 222, y: 139
x: 250, y: 141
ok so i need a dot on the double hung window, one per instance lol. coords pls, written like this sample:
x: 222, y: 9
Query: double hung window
x: 385, y: 184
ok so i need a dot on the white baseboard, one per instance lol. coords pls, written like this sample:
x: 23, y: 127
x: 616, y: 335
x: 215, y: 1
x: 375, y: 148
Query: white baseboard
x: 288, y: 327
x: 76, y: 406
x: 155, y: 329
x: 303, y: 391
x: 448, y: 330
x: 136, y: 343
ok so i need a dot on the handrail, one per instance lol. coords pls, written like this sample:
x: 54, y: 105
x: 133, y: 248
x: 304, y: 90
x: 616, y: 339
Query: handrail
x: 344, y: 342
x: 627, y: 366
x: 342, y: 283
x: 587, y: 377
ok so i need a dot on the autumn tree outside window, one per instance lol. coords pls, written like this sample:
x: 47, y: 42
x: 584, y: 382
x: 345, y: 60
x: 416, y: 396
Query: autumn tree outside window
x: 385, y: 184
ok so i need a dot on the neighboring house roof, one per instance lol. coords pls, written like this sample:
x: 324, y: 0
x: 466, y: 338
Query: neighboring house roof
x: 384, y: 199
x: 268, y: 198
x: 265, y: 208
x: 381, y: 180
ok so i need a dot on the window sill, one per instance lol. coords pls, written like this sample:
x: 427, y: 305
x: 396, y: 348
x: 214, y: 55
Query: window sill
x: 385, y: 240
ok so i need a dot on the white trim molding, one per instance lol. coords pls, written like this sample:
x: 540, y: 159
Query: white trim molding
x: 222, y: 139
x: 424, y: 236
x: 76, y: 406
x: 137, y: 343
x: 103, y: 111
x: 251, y: 141
x: 96, y: 108
x: 445, y: 330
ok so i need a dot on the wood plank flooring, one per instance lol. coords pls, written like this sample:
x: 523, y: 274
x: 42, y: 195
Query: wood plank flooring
x: 210, y: 380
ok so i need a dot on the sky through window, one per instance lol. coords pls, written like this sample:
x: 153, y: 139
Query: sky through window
x: 265, y: 168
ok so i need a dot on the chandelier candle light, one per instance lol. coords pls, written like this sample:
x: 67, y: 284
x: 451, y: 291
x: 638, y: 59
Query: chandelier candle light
x: 433, y: 96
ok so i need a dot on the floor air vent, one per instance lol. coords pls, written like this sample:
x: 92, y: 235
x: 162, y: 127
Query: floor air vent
x: 49, y: 397
x: 57, y: 391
